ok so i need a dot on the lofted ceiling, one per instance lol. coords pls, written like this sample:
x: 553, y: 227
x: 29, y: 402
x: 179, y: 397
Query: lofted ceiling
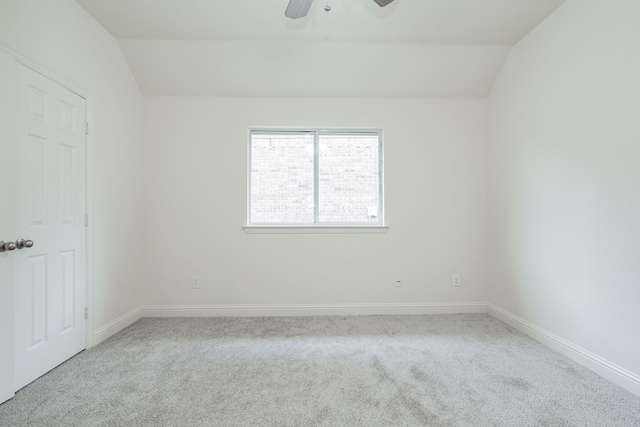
x: 411, y: 48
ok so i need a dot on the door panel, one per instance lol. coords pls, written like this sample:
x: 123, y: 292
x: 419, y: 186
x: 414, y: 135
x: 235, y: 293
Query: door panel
x: 7, y: 232
x: 50, y: 277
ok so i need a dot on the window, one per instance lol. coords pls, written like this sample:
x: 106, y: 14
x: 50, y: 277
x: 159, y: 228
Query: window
x: 315, y: 178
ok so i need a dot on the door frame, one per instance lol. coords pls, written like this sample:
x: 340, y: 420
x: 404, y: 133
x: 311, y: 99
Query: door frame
x: 89, y: 177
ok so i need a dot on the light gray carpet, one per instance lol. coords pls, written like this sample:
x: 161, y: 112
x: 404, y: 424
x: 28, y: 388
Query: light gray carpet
x: 435, y: 370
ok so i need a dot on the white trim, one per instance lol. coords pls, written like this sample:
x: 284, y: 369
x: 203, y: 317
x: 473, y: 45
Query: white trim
x: 45, y: 72
x: 253, y: 310
x: 117, y: 325
x: 601, y: 366
x: 315, y: 229
x: 89, y: 179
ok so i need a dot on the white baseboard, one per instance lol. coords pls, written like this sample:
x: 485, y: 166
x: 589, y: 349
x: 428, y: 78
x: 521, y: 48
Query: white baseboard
x: 116, y: 325
x: 599, y: 365
x: 253, y: 310
x: 614, y: 373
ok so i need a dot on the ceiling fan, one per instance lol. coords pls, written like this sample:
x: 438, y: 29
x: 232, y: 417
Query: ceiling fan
x: 299, y: 8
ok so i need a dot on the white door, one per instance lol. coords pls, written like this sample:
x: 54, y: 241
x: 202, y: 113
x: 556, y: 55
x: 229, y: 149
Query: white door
x: 7, y: 141
x: 50, y: 276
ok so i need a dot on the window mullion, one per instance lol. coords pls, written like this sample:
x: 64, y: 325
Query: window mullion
x: 316, y: 176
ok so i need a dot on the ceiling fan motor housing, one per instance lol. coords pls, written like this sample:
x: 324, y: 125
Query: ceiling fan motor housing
x: 299, y: 8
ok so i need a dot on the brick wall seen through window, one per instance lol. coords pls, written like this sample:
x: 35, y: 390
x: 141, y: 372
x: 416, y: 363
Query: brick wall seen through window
x: 315, y: 177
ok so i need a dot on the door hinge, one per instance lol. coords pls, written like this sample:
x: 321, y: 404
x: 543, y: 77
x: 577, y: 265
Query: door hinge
x: 86, y: 220
x: 86, y: 313
x: 86, y: 128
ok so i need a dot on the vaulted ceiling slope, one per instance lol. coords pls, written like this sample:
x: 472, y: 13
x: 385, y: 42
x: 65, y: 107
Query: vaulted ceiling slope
x: 411, y: 48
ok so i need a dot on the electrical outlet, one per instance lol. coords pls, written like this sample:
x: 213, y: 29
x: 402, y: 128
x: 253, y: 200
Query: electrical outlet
x: 456, y: 280
x: 398, y: 282
x: 195, y: 282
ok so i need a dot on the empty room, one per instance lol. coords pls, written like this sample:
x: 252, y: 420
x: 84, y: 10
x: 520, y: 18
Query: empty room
x: 329, y: 212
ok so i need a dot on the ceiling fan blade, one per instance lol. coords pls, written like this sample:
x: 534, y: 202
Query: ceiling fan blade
x: 298, y: 8
x: 383, y: 3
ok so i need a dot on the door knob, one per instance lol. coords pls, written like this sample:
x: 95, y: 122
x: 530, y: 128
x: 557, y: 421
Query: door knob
x: 22, y: 243
x: 7, y: 246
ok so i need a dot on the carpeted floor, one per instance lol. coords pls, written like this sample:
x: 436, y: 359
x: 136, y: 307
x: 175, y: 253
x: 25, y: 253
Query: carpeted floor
x: 432, y: 370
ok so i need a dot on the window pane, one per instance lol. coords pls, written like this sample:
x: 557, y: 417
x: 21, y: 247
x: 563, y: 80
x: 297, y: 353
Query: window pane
x: 349, y: 178
x: 282, y: 178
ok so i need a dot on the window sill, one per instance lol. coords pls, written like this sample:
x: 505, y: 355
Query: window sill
x: 315, y: 229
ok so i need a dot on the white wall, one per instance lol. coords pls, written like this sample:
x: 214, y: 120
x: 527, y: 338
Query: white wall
x: 564, y: 179
x: 195, y: 201
x: 306, y: 69
x: 62, y: 37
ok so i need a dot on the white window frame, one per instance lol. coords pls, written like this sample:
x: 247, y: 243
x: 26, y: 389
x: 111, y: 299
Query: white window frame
x: 378, y: 226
